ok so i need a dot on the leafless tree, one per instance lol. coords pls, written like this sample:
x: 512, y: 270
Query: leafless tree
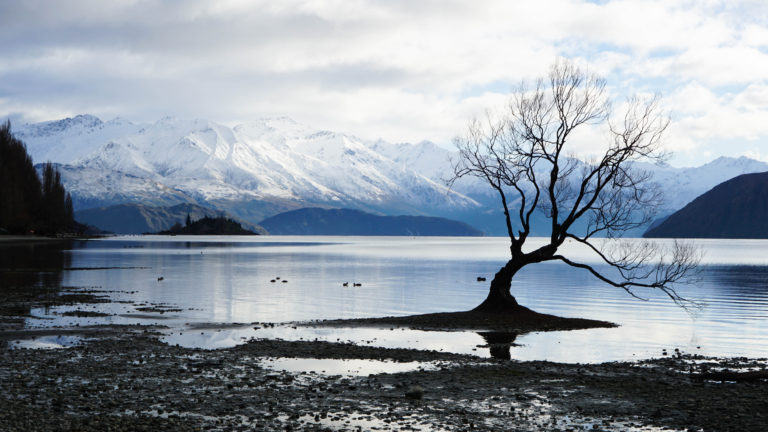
x: 523, y: 155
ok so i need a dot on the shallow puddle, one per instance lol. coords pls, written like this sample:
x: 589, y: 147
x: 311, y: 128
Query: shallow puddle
x: 577, y: 346
x: 345, y: 367
x: 539, y: 413
x: 216, y: 338
x: 46, y: 342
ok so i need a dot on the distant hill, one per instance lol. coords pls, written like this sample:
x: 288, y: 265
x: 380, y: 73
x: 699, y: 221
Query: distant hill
x: 317, y: 221
x: 737, y: 208
x: 139, y: 219
x: 209, y: 226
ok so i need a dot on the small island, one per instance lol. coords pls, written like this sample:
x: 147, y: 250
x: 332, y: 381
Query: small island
x: 208, y: 226
x: 345, y: 221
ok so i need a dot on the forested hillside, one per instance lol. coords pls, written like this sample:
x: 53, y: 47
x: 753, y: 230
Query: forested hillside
x: 28, y: 202
x: 318, y: 221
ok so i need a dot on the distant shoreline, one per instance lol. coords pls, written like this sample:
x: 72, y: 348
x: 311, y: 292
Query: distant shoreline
x: 36, y: 239
x: 23, y: 238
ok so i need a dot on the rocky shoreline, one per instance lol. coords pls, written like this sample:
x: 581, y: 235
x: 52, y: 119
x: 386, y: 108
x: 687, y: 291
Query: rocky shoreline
x: 126, y: 379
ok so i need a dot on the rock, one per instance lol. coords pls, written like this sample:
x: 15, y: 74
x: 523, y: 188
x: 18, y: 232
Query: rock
x: 415, y: 392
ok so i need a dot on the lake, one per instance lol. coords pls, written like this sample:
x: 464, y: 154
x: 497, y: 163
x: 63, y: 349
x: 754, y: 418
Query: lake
x: 197, y: 282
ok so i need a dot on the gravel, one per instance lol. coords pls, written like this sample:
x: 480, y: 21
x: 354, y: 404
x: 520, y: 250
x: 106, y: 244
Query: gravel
x: 129, y: 380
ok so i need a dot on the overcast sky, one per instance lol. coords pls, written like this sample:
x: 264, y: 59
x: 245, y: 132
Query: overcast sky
x: 398, y: 70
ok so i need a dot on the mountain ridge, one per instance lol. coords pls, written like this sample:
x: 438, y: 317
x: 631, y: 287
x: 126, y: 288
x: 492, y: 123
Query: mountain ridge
x: 736, y: 208
x: 318, y: 221
x: 271, y: 165
x: 269, y: 157
x: 139, y: 218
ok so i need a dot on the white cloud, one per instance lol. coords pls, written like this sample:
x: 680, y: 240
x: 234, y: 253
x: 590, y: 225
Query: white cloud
x: 399, y: 70
x: 731, y: 123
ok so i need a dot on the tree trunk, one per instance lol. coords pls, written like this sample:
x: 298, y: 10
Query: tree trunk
x: 499, y: 299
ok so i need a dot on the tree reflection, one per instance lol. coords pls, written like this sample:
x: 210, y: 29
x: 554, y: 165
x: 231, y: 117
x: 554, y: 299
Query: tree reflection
x: 30, y: 274
x: 499, y: 343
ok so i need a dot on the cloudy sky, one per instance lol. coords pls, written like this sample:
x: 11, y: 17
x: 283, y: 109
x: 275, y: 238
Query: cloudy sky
x: 400, y: 70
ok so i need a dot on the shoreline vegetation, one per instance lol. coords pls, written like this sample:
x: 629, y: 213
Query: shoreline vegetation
x: 31, y: 201
x: 123, y: 377
x: 35, y: 238
x: 9, y: 238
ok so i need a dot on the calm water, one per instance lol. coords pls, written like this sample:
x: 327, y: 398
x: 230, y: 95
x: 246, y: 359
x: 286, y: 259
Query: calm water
x: 228, y: 280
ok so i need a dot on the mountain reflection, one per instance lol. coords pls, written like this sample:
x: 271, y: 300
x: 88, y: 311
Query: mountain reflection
x: 740, y: 279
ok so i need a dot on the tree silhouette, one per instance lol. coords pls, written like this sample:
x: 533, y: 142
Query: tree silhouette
x: 27, y: 202
x: 524, y: 156
x: 20, y: 191
x: 54, y: 198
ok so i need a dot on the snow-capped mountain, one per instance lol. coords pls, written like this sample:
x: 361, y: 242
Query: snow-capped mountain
x: 64, y: 141
x: 174, y: 160
x: 257, y: 169
x: 682, y: 185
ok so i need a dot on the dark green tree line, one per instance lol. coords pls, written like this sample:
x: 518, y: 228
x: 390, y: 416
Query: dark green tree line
x: 27, y: 202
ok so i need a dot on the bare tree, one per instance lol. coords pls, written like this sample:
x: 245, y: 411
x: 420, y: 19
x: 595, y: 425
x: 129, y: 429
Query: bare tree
x: 523, y: 155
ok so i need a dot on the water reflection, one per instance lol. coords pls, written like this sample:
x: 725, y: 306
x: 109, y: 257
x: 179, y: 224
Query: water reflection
x: 743, y: 280
x: 223, y: 280
x: 499, y: 343
x: 30, y: 271
x: 46, y: 342
x: 33, y: 263
x: 344, y: 367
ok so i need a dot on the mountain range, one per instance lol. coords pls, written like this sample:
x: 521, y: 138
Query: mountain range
x: 256, y: 170
x: 135, y: 218
x: 316, y: 221
x: 737, y: 208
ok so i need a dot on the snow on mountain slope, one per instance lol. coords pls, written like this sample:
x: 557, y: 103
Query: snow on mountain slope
x: 173, y: 161
x: 64, y: 141
x: 95, y: 187
x: 435, y: 163
x: 341, y: 167
x: 202, y: 160
x: 679, y: 185
x: 682, y: 185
